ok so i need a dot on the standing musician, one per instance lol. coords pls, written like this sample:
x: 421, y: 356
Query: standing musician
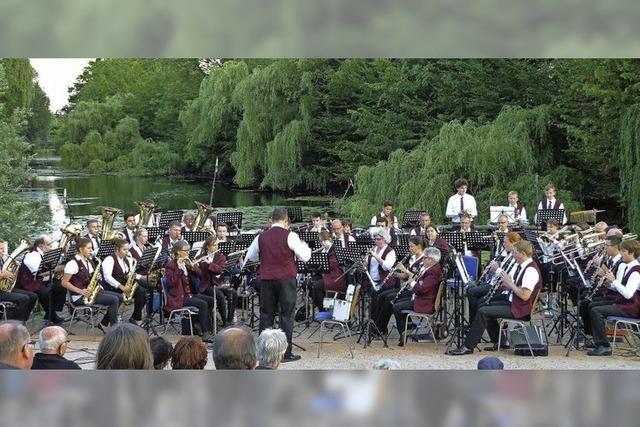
x: 18, y: 297
x: 31, y: 284
x: 461, y: 202
x: 77, y: 275
x: 387, y: 213
x: 222, y: 233
x: 129, y: 230
x: 210, y: 269
x: 339, y: 233
x: 115, y: 272
x: 93, y: 234
x: 550, y: 202
x: 182, y: 292
x: 387, y: 297
x: 421, y: 229
x: 277, y: 248
x: 189, y: 222
x: 425, y: 291
x: 523, y: 290
x: 433, y: 241
x: 334, y: 280
x: 624, y: 303
x: 173, y: 236
x: 317, y: 224
x: 520, y: 213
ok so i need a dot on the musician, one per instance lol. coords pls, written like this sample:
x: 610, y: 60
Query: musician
x: 387, y: 213
x: 129, y: 230
x: 334, y: 280
x: 32, y: 284
x: 424, y: 291
x: 182, y: 292
x: 475, y: 294
x: 276, y: 248
x: 503, y: 224
x: 339, y: 233
x: 222, y: 233
x: 77, y: 275
x: 348, y: 226
x: 173, y: 236
x: 381, y: 258
x: 523, y: 290
x: 433, y: 241
x: 626, y: 303
x: 317, y: 224
x: 466, y: 226
x: 189, y: 222
x: 520, y: 213
x: 210, y: 271
x: 140, y: 242
x: 115, y: 273
x: 93, y: 234
x: 421, y: 228
x: 383, y: 224
x: 20, y: 298
x: 387, y: 297
x: 461, y: 202
x: 550, y: 202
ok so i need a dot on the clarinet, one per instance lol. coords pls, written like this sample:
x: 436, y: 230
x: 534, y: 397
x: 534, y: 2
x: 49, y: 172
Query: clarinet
x: 393, y: 270
x: 409, y: 284
x: 496, y: 281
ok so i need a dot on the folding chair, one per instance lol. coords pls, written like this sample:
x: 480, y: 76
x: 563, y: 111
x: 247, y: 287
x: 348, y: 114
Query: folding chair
x: 631, y: 325
x: 4, y: 306
x: 344, y: 324
x: 176, y: 314
x: 522, y: 323
x: 424, y: 319
x: 80, y: 312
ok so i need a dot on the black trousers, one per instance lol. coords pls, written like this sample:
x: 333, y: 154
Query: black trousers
x: 221, y: 303
x: 486, y: 318
x: 139, y: 300
x: 231, y: 296
x: 401, y: 318
x: 385, y: 307
x: 598, y: 314
x: 46, y: 297
x: 22, y: 301
x: 110, y: 299
x: 204, y: 304
x: 585, y: 311
x: 317, y: 293
x: 274, y: 295
x: 474, y: 295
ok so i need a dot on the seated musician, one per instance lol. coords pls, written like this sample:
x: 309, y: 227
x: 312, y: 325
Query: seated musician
x: 466, y: 226
x: 189, y: 222
x: 129, y: 230
x: 387, y: 212
x: 424, y: 291
x: 503, y: 227
x: 380, y: 261
x: 550, y: 202
x: 32, y: 284
x: 387, y: 297
x: 174, y: 234
x: 21, y: 300
x: 348, y: 227
x: 140, y: 243
x: 461, y: 202
x: 334, y: 280
x: 77, y: 275
x: 210, y: 271
x: 520, y: 213
x: 624, y: 303
x: 475, y: 294
x: 317, y: 224
x: 93, y: 234
x: 182, y: 292
x: 433, y: 241
x: 339, y: 234
x: 222, y: 233
x: 421, y: 228
x: 115, y: 273
x: 524, y: 288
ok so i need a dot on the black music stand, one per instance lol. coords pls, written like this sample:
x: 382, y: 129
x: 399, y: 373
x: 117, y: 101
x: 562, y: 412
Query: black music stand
x: 232, y: 262
x: 543, y: 216
x: 146, y: 260
x: 226, y: 248
x: 294, y: 214
x: 167, y: 217
x: 71, y: 252
x: 411, y: 219
x: 195, y: 236
x: 107, y: 248
x: 145, y: 264
x: 232, y: 219
x: 312, y: 238
x: 246, y: 238
x: 154, y: 233
x: 49, y: 262
x: 364, y: 240
x: 455, y: 239
x: 402, y: 240
x: 317, y: 264
x: 193, y: 253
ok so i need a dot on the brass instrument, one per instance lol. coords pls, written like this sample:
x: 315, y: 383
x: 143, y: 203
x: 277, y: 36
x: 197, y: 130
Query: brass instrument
x: 204, y: 211
x: 629, y: 236
x: 146, y: 209
x: 108, y: 216
x: 12, y: 265
x: 94, y: 286
x: 131, y: 285
x: 69, y: 233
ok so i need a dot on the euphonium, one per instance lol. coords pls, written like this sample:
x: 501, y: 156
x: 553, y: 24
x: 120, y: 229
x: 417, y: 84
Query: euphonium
x: 69, y: 233
x: 131, y: 285
x: 204, y: 211
x: 108, y: 216
x: 94, y: 286
x: 12, y: 265
x: 146, y: 209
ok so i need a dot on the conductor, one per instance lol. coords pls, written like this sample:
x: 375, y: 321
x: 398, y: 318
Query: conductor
x: 277, y: 248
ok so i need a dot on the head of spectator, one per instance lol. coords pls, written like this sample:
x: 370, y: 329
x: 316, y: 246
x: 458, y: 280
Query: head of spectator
x: 386, y: 364
x: 189, y: 353
x: 490, y: 362
x: 271, y: 346
x: 16, y: 350
x: 161, y: 349
x: 53, y: 340
x: 234, y: 348
x: 126, y: 346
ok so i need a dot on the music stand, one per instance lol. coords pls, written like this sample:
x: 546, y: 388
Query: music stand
x: 496, y: 211
x: 146, y: 260
x: 232, y: 261
x: 401, y: 251
x: 107, y: 248
x: 145, y: 265
x: 154, y: 232
x: 411, y: 219
x: 317, y: 264
x: 479, y: 239
x: 312, y: 238
x: 543, y: 216
x: 71, y: 252
x: 49, y: 262
x: 225, y: 248
x: 232, y: 219
x: 193, y: 253
x: 195, y: 236
x: 167, y: 217
x: 246, y: 238
x: 294, y: 214
x: 402, y: 240
x: 351, y: 254
x: 364, y: 240
x: 454, y: 239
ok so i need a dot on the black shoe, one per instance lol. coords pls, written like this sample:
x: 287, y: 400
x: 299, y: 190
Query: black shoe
x: 57, y: 320
x: 291, y: 358
x: 460, y: 351
x: 101, y: 328
x: 494, y: 347
x: 600, y: 351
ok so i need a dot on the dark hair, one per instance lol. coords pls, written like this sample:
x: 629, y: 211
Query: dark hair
x: 210, y: 240
x: 119, y: 243
x: 222, y: 224
x: 347, y: 222
x: 387, y: 203
x: 161, y: 349
x: 125, y: 347
x: 234, y: 348
x: 174, y: 223
x: 631, y: 246
x: 614, y: 241
x: 189, y: 353
x: 553, y: 222
x: 418, y: 241
x: 82, y: 242
x: 316, y: 215
x: 383, y: 220
x: 129, y: 215
x: 92, y: 221
x: 39, y: 242
x: 280, y: 214
x: 460, y: 182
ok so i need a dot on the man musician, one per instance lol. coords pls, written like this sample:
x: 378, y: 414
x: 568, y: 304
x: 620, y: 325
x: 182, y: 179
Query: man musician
x: 421, y: 228
x: 340, y: 235
x: 17, y: 296
x: 174, y: 235
x: 387, y: 213
x: 93, y: 234
x: 277, y: 248
x: 222, y: 233
x: 550, y: 202
x: 129, y: 230
x: 461, y: 202
x: 189, y: 222
x: 523, y: 289
x: 317, y: 224
x: 519, y: 212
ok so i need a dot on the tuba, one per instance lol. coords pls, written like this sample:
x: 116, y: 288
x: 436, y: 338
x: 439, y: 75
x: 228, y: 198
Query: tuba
x: 12, y: 265
x: 204, y: 211
x: 131, y: 285
x: 94, y: 286
x: 70, y: 233
x: 146, y: 209
x: 108, y: 216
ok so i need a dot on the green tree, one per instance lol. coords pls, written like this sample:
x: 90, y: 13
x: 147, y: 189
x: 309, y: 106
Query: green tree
x: 39, y: 124
x: 19, y: 79
x: 629, y: 165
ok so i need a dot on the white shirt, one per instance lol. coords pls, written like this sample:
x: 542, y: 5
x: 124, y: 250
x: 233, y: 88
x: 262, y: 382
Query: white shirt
x: 95, y: 243
x: 72, y: 268
x: 107, y: 270
x: 553, y: 202
x: 299, y: 248
x: 632, y: 283
x: 523, y: 213
x: 374, y: 220
x: 341, y: 239
x: 130, y: 234
x: 453, y: 206
x: 530, y: 278
x: 33, y: 259
x: 387, y: 263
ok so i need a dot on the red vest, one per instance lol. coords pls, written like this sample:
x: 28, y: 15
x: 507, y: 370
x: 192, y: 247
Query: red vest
x: 521, y: 309
x: 630, y: 306
x: 277, y: 261
x: 391, y: 283
x: 330, y: 279
x: 26, y: 279
x: 426, y: 290
x: 117, y: 272
x: 418, y: 231
x: 179, y: 286
x: 82, y: 277
x: 209, y: 272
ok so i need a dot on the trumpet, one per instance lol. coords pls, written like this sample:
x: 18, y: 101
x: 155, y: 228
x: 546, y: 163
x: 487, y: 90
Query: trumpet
x: 629, y: 236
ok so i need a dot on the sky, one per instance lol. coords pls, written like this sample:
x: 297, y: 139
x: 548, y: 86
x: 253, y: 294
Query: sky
x: 56, y: 75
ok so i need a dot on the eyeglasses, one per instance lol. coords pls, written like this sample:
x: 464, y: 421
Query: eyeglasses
x: 503, y: 222
x: 378, y: 238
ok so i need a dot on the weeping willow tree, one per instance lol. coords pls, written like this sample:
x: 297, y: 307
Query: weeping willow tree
x: 629, y: 163
x: 496, y: 157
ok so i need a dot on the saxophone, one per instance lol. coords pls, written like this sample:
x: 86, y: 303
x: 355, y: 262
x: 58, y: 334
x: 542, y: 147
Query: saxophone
x: 94, y: 286
x: 12, y: 266
x: 108, y: 216
x: 131, y: 285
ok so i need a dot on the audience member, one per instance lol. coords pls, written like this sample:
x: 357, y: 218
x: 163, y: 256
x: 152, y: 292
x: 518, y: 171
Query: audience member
x: 126, y: 346
x: 16, y: 350
x: 271, y: 345
x: 189, y: 353
x: 386, y: 364
x: 53, y: 346
x: 234, y: 348
x: 490, y: 362
x: 161, y: 349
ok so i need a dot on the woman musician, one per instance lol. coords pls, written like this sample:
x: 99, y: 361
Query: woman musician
x: 115, y: 273
x: 77, y: 275
x: 334, y: 280
x: 210, y: 269
x: 425, y: 290
x: 182, y: 292
x: 389, y: 296
x: 433, y: 241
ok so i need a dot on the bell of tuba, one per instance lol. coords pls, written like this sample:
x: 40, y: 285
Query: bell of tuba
x: 204, y: 211
x: 146, y: 210
x: 12, y: 264
x: 70, y: 233
x: 108, y: 216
